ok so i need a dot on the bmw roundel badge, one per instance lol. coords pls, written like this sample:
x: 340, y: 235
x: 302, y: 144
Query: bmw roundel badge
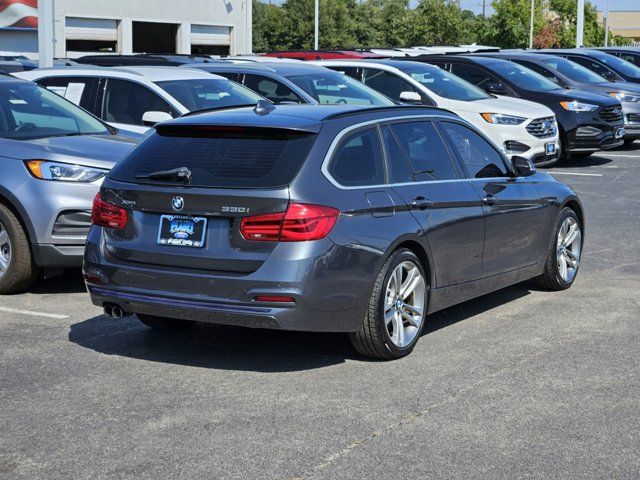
x: 177, y: 203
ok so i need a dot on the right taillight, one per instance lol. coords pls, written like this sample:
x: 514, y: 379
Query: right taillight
x: 105, y: 214
x: 301, y: 222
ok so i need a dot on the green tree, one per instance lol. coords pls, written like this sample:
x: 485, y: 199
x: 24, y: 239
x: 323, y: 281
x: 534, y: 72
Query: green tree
x: 567, y: 11
x: 441, y: 22
x: 511, y: 22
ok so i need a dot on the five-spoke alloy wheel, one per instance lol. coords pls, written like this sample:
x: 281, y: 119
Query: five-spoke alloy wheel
x: 397, y: 309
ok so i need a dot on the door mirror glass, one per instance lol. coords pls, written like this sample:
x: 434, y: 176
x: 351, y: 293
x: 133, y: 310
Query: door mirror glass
x: 523, y: 166
x: 410, y: 97
x: 153, y: 117
x: 495, y: 88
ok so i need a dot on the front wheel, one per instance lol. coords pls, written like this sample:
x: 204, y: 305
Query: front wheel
x: 564, y: 257
x: 17, y: 267
x: 397, y: 309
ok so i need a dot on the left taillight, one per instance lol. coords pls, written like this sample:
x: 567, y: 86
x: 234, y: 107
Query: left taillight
x: 105, y: 214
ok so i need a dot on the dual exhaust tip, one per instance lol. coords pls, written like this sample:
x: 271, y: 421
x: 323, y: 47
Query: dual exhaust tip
x: 114, y: 311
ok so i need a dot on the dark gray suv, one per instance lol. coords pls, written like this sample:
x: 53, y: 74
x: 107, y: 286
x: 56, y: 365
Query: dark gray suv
x: 323, y: 218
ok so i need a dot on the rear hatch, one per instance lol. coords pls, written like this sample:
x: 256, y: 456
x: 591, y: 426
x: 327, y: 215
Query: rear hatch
x: 195, y: 223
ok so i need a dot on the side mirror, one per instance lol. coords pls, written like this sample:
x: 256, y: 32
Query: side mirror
x: 496, y: 88
x: 410, y: 97
x: 523, y: 166
x: 152, y: 117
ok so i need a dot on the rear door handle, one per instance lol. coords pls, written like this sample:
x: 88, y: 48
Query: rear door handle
x: 489, y: 199
x: 421, y: 203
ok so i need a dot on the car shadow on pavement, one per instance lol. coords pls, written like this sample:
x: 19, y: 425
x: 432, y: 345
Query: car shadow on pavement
x: 592, y: 161
x: 246, y: 349
x: 70, y: 281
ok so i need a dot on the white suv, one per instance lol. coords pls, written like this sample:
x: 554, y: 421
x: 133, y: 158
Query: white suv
x: 136, y: 98
x: 519, y: 127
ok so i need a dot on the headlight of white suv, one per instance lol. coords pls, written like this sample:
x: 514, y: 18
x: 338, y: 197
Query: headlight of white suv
x: 576, y: 106
x: 502, y: 119
x: 625, y: 97
x: 64, y: 172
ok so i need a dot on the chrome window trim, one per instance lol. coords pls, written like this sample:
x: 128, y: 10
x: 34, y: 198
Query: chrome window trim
x: 336, y: 141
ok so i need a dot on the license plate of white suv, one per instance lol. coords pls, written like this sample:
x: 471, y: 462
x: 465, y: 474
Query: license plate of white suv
x: 620, y: 132
x: 550, y: 148
x: 182, y: 231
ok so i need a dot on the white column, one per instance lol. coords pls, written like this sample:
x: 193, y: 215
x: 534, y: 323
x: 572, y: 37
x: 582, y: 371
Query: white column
x: 606, y: 24
x: 248, y: 48
x: 580, y: 24
x: 183, y: 39
x: 316, y: 23
x: 531, y: 27
x: 125, y: 37
x: 45, y: 33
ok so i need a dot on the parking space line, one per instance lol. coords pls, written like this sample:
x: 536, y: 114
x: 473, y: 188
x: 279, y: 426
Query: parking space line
x: 618, y: 155
x: 577, y: 173
x: 34, y: 314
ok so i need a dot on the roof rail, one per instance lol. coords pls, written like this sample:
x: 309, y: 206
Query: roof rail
x: 385, y: 109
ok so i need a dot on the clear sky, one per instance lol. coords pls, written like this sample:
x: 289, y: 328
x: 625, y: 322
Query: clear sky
x: 476, y: 5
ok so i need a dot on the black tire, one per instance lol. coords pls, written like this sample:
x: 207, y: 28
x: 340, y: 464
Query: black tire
x: 551, y: 278
x: 629, y: 141
x: 22, y: 270
x: 373, y: 340
x: 581, y: 155
x: 165, y: 324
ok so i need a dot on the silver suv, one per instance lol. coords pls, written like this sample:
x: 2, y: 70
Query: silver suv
x: 53, y: 158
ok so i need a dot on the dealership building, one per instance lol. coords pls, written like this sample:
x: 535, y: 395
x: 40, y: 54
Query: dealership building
x: 217, y: 27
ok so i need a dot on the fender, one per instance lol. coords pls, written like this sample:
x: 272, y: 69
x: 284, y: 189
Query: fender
x: 12, y: 202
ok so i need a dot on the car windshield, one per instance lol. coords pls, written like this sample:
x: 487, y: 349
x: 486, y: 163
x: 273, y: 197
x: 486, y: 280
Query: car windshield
x: 618, y: 64
x: 335, y: 88
x: 443, y: 83
x: 523, y: 77
x: 208, y: 93
x: 28, y: 111
x: 573, y: 70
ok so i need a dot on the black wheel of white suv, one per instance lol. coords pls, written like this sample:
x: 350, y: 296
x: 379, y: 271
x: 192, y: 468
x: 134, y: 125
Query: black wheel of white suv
x: 397, y: 309
x: 17, y: 268
x: 163, y: 323
x: 563, y: 260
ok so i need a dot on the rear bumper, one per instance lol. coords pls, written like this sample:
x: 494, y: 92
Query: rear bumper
x: 331, y: 286
x: 58, y: 256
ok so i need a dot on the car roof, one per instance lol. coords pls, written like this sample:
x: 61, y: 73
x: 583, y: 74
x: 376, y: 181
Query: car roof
x: 151, y: 73
x: 298, y: 117
x: 372, y: 63
x: 515, y: 54
x: 280, y: 68
x: 465, y: 58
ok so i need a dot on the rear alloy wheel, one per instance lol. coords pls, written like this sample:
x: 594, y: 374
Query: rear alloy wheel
x: 162, y: 323
x: 397, y: 309
x: 564, y: 258
x: 17, y: 268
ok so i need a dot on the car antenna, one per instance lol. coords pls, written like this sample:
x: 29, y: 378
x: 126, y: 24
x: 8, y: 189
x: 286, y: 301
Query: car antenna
x: 264, y: 107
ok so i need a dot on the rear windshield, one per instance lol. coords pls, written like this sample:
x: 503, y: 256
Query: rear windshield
x: 260, y: 158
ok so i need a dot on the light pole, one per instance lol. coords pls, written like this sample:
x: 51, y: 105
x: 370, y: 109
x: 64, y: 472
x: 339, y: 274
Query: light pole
x: 606, y: 24
x: 580, y: 24
x: 531, y: 28
x: 45, y: 33
x: 315, y: 25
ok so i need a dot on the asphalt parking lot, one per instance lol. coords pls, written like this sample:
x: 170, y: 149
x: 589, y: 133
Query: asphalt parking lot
x: 517, y: 384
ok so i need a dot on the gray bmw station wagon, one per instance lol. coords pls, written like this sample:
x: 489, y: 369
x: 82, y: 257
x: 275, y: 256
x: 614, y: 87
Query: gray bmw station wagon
x: 323, y: 218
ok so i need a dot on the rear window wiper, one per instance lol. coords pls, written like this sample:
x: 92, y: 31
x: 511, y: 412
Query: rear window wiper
x: 182, y: 174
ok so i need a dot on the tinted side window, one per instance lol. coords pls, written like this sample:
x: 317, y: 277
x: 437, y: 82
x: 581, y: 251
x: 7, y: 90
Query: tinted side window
x: 235, y: 77
x: 79, y: 90
x: 426, y: 151
x: 480, y: 159
x: 350, y: 71
x: 387, y: 83
x: 358, y: 160
x: 591, y: 65
x: 126, y: 102
x: 472, y: 74
x: 545, y: 72
x: 397, y: 164
x: 272, y: 89
x: 629, y: 58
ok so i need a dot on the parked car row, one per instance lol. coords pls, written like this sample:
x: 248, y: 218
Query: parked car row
x: 323, y: 196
